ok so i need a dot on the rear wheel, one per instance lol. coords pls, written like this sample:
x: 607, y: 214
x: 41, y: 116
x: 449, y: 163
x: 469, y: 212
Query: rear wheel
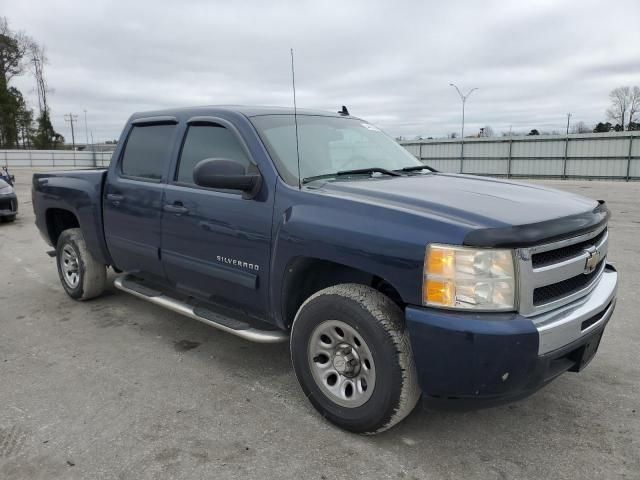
x: 81, y: 275
x: 353, y: 358
x: 9, y: 218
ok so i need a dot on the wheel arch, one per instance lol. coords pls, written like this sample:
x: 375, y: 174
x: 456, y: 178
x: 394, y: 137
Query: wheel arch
x: 305, y: 276
x: 58, y: 220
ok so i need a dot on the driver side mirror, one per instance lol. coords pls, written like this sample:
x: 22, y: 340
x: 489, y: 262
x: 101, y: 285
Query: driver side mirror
x: 226, y: 174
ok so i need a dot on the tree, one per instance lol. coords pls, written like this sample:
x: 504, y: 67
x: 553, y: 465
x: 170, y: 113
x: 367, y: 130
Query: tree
x: 38, y: 60
x: 603, y: 127
x: 623, y: 100
x: 452, y: 135
x: 22, y: 121
x: 486, y: 131
x: 534, y: 132
x: 13, y: 46
x: 581, y: 127
x: 46, y: 137
x: 16, y: 119
x: 634, y: 126
x: 634, y: 105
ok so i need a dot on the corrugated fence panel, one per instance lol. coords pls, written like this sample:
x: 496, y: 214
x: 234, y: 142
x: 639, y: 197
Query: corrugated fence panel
x: 604, y: 155
x: 634, y: 168
x: 440, y: 150
x: 42, y: 158
x: 413, y: 149
x: 54, y: 158
x: 606, y: 147
x: 486, y: 149
x: 596, y: 167
x: 486, y: 166
x: 542, y: 167
x: 538, y: 148
x: 443, y: 164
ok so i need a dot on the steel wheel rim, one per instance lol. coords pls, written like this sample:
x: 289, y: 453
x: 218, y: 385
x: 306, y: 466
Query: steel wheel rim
x: 346, y: 377
x: 70, y: 266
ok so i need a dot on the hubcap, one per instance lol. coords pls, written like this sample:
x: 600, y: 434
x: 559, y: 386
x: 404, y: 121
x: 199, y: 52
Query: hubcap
x: 341, y: 363
x: 69, y: 265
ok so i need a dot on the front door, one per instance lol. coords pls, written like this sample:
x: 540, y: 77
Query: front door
x: 216, y: 244
x: 133, y: 199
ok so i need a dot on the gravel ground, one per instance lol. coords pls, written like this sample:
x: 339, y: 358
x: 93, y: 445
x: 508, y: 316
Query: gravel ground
x: 118, y: 388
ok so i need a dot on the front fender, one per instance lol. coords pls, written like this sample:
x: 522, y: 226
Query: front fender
x: 380, y: 241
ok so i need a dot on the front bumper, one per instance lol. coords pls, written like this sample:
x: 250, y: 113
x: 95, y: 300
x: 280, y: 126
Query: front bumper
x: 484, y: 359
x: 8, y: 205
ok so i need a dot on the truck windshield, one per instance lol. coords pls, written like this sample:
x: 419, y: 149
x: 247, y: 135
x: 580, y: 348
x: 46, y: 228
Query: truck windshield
x: 328, y: 145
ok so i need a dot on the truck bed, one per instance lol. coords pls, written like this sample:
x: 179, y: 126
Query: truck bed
x: 69, y: 195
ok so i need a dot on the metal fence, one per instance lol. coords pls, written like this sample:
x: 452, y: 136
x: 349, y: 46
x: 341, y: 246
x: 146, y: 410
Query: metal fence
x: 54, y: 158
x: 614, y: 155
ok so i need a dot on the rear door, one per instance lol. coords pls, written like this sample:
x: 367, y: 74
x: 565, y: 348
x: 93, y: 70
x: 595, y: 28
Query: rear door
x: 133, y: 196
x: 216, y: 244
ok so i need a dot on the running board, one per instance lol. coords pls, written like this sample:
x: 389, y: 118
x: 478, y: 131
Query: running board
x: 204, y: 315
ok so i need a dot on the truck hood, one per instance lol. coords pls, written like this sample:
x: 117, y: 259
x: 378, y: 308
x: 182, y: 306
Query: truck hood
x: 479, y: 202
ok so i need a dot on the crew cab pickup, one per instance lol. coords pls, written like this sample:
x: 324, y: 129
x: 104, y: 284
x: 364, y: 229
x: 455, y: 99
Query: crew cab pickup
x: 391, y: 280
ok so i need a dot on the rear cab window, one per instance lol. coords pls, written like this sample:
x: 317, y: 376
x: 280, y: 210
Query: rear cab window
x: 147, y: 151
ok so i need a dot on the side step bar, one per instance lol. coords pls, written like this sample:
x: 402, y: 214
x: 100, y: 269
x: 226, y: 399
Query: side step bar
x: 226, y: 324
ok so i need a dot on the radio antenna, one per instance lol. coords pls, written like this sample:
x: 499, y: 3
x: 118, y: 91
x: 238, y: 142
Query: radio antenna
x: 295, y: 118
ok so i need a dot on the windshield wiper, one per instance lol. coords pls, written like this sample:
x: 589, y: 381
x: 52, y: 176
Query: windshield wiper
x: 416, y: 168
x: 359, y: 171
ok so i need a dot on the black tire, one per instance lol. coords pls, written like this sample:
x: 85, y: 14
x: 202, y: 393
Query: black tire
x: 91, y: 274
x: 9, y: 218
x: 379, y: 322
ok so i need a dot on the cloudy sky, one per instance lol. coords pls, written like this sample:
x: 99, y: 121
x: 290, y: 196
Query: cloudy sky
x: 389, y: 62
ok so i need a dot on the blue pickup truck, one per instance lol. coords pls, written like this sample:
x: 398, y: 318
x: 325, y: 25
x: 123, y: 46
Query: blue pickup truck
x: 391, y: 280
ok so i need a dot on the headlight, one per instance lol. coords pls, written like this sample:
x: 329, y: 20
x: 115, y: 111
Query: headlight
x: 468, y: 278
x: 6, y: 190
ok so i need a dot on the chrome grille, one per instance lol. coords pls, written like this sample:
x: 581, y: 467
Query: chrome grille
x: 554, y: 256
x: 557, y: 273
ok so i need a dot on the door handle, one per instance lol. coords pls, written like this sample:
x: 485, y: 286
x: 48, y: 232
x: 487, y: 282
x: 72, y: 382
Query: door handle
x: 176, y: 208
x: 115, y: 198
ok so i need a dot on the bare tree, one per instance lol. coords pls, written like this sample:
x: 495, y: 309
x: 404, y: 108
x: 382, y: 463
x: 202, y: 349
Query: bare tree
x: 487, y: 131
x: 620, y: 98
x: 581, y: 127
x: 634, y: 104
x: 38, y: 60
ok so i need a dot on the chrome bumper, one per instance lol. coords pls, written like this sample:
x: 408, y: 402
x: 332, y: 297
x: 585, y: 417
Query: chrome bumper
x: 564, y: 325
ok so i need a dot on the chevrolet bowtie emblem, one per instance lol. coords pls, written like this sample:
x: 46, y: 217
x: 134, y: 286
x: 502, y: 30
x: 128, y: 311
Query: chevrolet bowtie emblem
x: 593, y: 259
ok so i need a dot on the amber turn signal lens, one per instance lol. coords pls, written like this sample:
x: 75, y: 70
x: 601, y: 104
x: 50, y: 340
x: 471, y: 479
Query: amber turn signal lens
x: 439, y: 292
x: 440, y: 261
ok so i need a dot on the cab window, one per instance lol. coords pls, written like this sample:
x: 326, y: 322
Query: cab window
x: 208, y: 141
x: 147, y: 151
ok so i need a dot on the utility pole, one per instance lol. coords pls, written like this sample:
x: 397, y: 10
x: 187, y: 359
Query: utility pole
x: 464, y: 101
x: 568, y: 119
x: 70, y: 117
x: 86, y: 130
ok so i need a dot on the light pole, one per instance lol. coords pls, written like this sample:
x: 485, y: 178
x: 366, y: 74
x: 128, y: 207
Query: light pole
x: 464, y: 101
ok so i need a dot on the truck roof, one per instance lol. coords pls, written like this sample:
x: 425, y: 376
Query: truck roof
x: 247, y: 110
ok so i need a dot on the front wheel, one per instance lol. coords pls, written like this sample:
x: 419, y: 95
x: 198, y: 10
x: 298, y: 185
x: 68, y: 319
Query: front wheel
x: 353, y: 358
x: 81, y: 275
